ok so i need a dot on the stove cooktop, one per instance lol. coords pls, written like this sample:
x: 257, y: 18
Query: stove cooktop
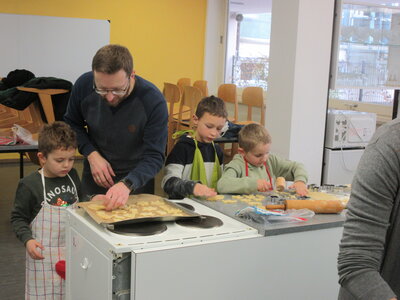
x: 202, y: 222
x: 175, y: 234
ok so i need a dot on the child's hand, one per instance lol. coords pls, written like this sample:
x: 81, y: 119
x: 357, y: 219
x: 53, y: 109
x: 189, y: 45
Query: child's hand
x: 202, y: 190
x: 263, y: 185
x: 300, y: 187
x: 31, y: 246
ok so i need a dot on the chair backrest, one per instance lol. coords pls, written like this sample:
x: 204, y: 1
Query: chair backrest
x: 202, y: 86
x: 172, y: 95
x: 253, y: 97
x: 183, y: 82
x: 227, y: 92
x: 191, y: 97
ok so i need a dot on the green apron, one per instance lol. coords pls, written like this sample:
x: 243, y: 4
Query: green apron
x: 198, y: 169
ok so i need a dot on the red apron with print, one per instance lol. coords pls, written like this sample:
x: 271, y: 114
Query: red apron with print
x: 48, y: 228
x: 246, y: 164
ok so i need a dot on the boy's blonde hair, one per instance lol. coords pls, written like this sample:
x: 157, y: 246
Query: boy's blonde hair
x: 58, y: 135
x: 251, y: 135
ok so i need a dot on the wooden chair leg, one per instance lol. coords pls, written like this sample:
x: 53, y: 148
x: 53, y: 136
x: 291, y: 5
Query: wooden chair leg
x: 171, y: 142
x: 234, y: 149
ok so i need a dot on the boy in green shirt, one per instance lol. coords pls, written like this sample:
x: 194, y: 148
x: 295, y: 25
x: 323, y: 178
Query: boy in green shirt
x: 254, y: 169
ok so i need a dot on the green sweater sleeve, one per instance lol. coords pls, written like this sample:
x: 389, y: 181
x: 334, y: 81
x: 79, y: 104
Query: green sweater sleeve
x: 290, y: 170
x: 233, y: 181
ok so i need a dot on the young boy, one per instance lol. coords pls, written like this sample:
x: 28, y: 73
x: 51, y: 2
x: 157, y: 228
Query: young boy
x: 255, y: 169
x: 39, y: 212
x: 194, y: 165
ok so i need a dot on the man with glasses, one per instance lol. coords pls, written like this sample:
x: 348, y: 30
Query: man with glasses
x: 121, y: 125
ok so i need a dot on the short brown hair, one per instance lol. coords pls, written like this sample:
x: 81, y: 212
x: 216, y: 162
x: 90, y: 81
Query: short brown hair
x: 212, y: 105
x: 112, y: 58
x: 251, y: 135
x: 58, y: 135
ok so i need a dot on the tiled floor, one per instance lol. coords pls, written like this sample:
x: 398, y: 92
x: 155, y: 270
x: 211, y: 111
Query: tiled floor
x: 12, y: 252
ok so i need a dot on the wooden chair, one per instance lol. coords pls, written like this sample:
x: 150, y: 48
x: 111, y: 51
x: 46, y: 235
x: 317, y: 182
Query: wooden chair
x: 190, y: 98
x: 253, y: 97
x: 29, y: 118
x: 202, y: 86
x: 183, y: 82
x: 172, y: 95
x: 227, y: 92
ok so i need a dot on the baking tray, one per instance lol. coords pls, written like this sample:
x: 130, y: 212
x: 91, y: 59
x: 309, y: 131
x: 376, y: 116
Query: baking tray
x: 144, y: 203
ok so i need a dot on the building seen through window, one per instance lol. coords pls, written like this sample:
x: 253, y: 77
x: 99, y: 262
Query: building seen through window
x: 367, y: 67
x: 249, y: 29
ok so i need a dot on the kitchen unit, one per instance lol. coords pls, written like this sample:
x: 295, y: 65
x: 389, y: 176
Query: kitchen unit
x: 237, y: 259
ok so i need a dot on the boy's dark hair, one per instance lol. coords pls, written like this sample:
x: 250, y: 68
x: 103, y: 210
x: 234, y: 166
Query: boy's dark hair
x: 212, y: 105
x: 58, y: 135
x: 112, y: 58
x: 251, y: 135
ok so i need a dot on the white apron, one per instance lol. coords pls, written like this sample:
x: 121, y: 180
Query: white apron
x: 48, y: 228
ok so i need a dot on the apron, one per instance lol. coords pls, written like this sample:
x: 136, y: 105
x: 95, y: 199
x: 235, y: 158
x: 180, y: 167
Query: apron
x: 198, y: 172
x: 266, y: 169
x: 48, y: 228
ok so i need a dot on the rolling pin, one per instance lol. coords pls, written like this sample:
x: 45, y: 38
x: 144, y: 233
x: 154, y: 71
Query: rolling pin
x: 280, y: 184
x: 317, y: 206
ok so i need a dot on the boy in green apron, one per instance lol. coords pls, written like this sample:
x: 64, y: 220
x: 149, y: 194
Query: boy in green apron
x: 194, y: 165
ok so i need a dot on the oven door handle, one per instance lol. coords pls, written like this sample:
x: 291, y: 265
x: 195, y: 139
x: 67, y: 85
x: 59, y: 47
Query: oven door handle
x: 85, y: 264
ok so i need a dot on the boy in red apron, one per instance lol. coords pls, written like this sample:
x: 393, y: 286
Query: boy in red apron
x: 254, y: 169
x: 38, y: 216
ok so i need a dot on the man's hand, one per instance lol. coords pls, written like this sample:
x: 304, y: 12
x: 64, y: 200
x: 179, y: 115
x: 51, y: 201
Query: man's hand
x: 300, y: 187
x: 201, y: 190
x: 116, y: 196
x: 31, y: 246
x: 263, y: 185
x: 102, y: 171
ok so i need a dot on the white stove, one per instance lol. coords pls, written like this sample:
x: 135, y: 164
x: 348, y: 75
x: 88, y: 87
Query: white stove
x: 105, y: 265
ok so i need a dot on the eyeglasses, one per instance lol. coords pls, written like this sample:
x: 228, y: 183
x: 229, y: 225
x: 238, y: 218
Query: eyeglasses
x: 117, y: 92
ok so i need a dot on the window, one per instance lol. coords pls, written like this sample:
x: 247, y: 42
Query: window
x: 367, y: 54
x: 249, y: 29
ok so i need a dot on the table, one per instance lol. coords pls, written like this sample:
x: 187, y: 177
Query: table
x: 45, y: 99
x: 19, y: 149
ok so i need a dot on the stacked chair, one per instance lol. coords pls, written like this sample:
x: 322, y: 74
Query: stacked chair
x: 182, y: 102
x: 252, y: 97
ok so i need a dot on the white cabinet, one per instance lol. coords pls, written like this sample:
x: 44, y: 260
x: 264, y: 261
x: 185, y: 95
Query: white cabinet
x: 340, y: 165
x: 89, y: 269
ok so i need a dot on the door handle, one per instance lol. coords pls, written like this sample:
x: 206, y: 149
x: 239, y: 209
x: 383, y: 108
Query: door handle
x: 85, y: 264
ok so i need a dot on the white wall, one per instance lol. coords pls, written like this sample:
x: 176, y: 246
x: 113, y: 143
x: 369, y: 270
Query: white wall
x: 298, y: 80
x: 215, y: 41
x: 50, y: 46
